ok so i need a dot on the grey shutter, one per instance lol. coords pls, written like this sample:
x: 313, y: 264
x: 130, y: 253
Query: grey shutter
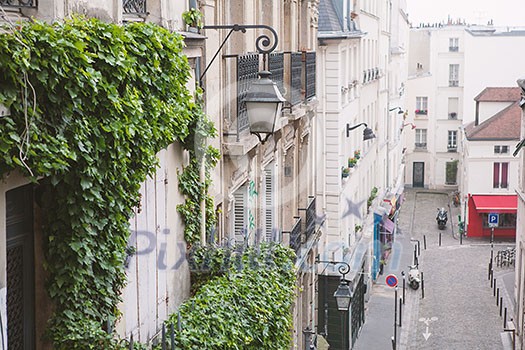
x: 269, y: 214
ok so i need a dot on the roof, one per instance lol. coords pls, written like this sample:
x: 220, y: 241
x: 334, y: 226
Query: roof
x: 496, y: 203
x: 331, y: 23
x: 499, y: 94
x: 504, y: 125
x: 330, y: 20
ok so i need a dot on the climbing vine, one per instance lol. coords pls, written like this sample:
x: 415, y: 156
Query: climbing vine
x: 247, y: 303
x: 91, y: 105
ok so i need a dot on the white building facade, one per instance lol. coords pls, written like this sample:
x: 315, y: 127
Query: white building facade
x: 448, y: 66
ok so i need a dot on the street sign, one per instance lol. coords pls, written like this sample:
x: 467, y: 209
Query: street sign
x: 493, y: 220
x: 391, y: 280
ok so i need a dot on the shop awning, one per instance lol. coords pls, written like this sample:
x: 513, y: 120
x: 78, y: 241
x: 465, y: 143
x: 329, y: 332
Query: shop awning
x: 495, y: 203
x: 388, y: 225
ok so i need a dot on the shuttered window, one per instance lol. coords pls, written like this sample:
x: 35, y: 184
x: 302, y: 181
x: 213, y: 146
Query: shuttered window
x: 269, y: 210
x: 240, y: 221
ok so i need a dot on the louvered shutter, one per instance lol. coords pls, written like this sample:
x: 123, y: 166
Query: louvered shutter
x: 269, y: 204
x: 239, y: 214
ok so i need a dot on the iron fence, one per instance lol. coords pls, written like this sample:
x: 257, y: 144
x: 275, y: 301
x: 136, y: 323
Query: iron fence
x: 18, y: 3
x: 276, y: 67
x: 134, y: 6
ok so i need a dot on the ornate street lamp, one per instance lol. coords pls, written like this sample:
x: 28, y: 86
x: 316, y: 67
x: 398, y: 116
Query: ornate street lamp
x: 263, y: 105
x: 367, y: 133
x: 263, y: 100
x: 343, y: 295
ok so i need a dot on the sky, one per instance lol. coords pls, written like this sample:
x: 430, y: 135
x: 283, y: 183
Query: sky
x: 502, y: 12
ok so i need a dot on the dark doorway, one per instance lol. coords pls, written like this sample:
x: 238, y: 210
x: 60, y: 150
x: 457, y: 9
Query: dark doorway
x: 20, y: 269
x: 418, y: 174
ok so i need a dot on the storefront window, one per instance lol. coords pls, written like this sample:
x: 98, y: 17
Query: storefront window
x: 505, y: 220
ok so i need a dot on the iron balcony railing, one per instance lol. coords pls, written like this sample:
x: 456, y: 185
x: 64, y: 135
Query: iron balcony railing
x: 134, y: 6
x: 17, y: 3
x: 276, y: 67
x: 296, y: 69
x: 309, y: 75
x: 295, y: 236
x: 310, y: 219
x: 247, y: 69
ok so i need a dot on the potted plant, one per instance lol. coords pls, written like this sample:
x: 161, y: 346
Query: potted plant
x: 352, y: 162
x: 357, y: 154
x: 345, y: 172
x: 193, y: 19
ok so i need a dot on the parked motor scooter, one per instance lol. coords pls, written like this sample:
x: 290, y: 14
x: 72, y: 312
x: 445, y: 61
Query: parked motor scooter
x: 441, y: 218
x: 414, y: 277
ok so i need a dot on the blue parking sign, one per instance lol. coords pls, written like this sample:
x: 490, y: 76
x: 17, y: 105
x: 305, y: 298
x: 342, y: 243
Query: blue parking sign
x: 493, y: 220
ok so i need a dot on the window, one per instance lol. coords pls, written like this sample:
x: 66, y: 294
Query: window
x: 506, y: 220
x: 453, y: 75
x: 452, y: 140
x: 453, y: 103
x: 421, y: 105
x: 240, y: 214
x: 500, y: 178
x: 453, y: 44
x: 501, y: 149
x: 451, y: 173
x: 421, y: 138
x: 270, y: 231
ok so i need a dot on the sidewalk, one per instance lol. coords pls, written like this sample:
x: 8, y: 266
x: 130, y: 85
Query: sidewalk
x: 378, y: 329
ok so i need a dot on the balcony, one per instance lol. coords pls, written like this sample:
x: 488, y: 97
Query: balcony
x: 18, y: 3
x: 421, y: 145
x: 421, y: 111
x: 134, y: 6
x: 453, y: 48
x: 452, y: 148
x: 310, y: 219
x: 453, y: 115
x: 295, y: 236
x: 453, y: 83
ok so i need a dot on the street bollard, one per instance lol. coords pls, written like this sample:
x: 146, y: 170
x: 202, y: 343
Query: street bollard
x: 440, y: 239
x: 494, y: 292
x: 422, y: 286
x: 505, y: 318
x: 393, y: 343
x: 418, y: 249
x: 460, y: 238
x: 500, y: 306
x: 395, y: 315
x: 490, y: 267
x: 497, y: 297
x: 425, y: 242
x: 403, y: 274
x: 400, y: 311
x: 415, y: 255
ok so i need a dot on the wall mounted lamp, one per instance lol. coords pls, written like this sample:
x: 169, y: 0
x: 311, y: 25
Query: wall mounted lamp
x: 344, y: 293
x: 367, y: 133
x: 400, y: 111
x: 263, y: 100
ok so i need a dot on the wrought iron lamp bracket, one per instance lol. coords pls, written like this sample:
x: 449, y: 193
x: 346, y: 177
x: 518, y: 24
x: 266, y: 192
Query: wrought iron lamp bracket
x: 263, y: 42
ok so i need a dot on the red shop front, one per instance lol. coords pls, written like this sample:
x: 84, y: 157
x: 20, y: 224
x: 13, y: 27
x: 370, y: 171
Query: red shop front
x: 479, y: 206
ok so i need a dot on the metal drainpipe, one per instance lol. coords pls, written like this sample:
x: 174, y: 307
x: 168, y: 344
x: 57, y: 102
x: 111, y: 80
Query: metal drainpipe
x: 202, y: 176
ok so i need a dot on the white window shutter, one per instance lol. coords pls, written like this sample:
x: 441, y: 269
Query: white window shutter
x: 239, y: 214
x: 269, y: 214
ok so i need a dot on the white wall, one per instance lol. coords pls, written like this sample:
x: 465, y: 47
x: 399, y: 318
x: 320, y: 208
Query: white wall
x: 490, y: 61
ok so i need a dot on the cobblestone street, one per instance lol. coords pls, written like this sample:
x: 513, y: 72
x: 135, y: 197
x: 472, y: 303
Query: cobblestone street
x: 458, y: 310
